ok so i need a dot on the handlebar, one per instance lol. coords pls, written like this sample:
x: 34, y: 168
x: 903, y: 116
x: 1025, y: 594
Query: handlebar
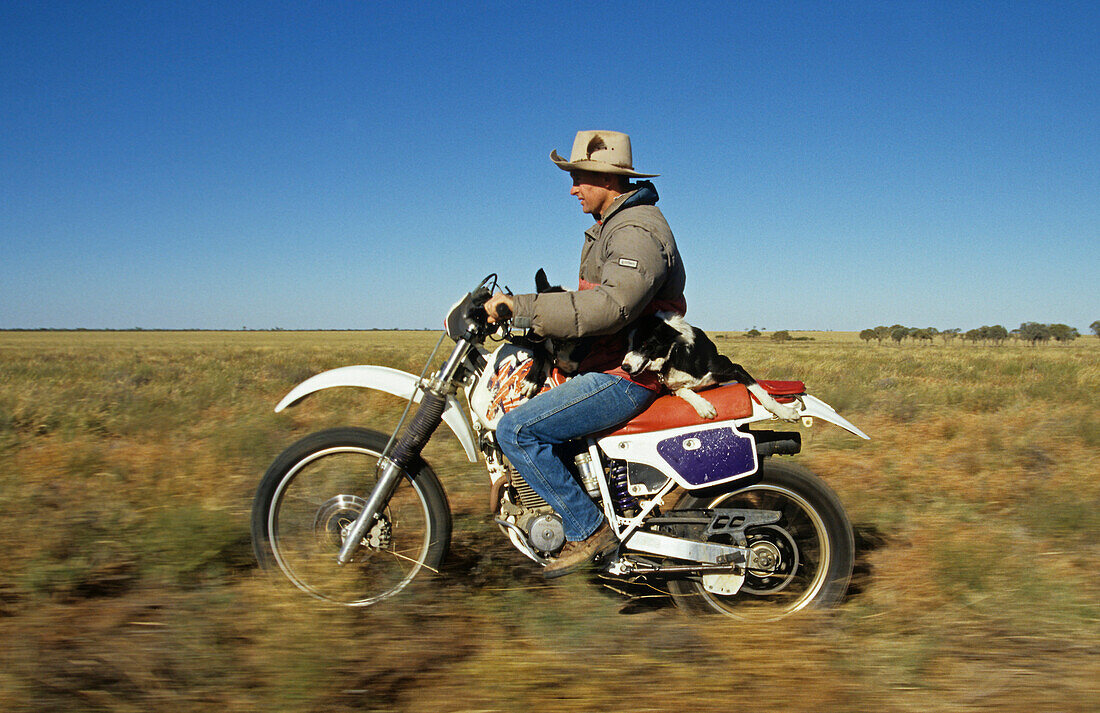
x: 469, y: 313
x: 479, y: 297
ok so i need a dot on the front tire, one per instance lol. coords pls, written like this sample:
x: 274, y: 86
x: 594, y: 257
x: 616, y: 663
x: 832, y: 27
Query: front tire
x: 813, y: 543
x: 314, y: 491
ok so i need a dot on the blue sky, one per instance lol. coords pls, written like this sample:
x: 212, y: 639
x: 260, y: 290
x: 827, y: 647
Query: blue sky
x: 363, y: 164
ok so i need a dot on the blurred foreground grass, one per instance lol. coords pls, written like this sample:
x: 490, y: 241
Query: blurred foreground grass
x: 127, y: 581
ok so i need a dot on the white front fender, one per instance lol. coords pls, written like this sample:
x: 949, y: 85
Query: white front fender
x: 392, y: 381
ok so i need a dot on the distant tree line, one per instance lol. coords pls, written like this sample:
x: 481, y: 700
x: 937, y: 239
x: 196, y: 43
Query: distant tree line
x: 781, y: 335
x: 1031, y: 332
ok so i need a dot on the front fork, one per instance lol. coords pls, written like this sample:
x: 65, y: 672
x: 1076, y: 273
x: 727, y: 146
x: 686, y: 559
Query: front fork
x: 395, y: 464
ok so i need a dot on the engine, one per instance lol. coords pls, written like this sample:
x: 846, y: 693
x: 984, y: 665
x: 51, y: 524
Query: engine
x: 544, y: 531
x: 541, y: 526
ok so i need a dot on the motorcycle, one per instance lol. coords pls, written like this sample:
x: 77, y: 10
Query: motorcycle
x: 702, y: 509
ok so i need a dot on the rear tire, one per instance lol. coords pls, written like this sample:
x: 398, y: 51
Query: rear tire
x: 814, y: 537
x: 311, y: 494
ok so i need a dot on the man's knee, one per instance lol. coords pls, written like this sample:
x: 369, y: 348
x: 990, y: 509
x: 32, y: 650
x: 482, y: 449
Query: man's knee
x: 514, y: 436
x: 508, y: 433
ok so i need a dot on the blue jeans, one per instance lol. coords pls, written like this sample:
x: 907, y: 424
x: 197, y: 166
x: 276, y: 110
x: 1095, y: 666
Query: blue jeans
x: 528, y: 433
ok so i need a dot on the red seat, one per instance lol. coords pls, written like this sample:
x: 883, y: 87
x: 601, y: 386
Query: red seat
x: 782, y: 388
x: 731, y: 400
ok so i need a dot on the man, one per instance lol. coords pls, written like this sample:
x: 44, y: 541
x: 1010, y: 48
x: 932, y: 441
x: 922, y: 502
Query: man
x: 629, y: 267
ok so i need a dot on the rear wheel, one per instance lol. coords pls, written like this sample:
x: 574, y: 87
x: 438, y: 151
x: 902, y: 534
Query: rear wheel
x: 810, y: 551
x: 314, y: 491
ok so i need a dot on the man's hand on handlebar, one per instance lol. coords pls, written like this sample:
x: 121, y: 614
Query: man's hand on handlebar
x: 499, y: 307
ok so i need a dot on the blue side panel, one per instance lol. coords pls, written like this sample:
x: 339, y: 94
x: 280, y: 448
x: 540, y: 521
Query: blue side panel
x: 710, y: 456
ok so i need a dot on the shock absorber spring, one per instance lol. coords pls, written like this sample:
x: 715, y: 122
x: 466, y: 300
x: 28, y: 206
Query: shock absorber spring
x: 620, y: 492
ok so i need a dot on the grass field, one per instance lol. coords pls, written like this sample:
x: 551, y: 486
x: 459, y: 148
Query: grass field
x: 127, y: 581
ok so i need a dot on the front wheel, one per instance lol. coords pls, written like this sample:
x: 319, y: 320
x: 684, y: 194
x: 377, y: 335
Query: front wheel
x: 811, y: 550
x: 316, y: 489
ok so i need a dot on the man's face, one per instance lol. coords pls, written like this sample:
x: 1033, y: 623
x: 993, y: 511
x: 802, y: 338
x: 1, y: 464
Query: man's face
x: 594, y: 191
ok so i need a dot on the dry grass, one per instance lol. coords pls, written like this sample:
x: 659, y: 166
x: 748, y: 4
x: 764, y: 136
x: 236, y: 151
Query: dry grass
x: 127, y: 582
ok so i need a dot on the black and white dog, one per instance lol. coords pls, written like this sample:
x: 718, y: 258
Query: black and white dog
x: 685, y: 359
x: 548, y: 352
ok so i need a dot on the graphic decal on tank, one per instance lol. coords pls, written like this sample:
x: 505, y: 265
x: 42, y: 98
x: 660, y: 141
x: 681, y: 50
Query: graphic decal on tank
x: 507, y: 381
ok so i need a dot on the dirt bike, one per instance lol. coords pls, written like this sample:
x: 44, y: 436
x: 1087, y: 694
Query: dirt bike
x: 702, y: 509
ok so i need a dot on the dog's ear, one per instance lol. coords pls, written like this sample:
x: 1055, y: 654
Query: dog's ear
x: 644, y: 335
x: 541, y: 283
x: 659, y: 341
x: 669, y: 334
x: 675, y: 353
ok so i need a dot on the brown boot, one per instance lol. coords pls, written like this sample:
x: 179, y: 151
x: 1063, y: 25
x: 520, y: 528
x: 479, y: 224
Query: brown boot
x: 577, y: 554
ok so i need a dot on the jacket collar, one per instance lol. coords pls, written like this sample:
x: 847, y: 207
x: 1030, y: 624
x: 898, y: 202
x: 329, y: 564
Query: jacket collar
x: 644, y: 194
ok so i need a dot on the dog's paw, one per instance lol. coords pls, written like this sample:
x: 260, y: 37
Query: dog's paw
x: 529, y: 389
x: 566, y: 366
x: 787, y: 413
x: 706, y: 410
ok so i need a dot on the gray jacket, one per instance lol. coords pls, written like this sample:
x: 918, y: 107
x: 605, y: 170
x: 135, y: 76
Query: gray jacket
x: 629, y: 263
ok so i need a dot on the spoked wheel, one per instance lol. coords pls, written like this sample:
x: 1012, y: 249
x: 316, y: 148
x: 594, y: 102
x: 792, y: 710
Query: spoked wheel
x: 803, y: 561
x: 314, y: 491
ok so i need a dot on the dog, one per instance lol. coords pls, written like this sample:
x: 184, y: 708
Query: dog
x: 547, y: 352
x: 685, y: 359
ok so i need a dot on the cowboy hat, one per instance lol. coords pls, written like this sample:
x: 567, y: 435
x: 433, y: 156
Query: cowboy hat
x: 600, y: 152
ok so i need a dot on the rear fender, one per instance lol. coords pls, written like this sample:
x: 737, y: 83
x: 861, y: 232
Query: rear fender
x: 819, y: 409
x: 392, y: 381
x: 810, y: 406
